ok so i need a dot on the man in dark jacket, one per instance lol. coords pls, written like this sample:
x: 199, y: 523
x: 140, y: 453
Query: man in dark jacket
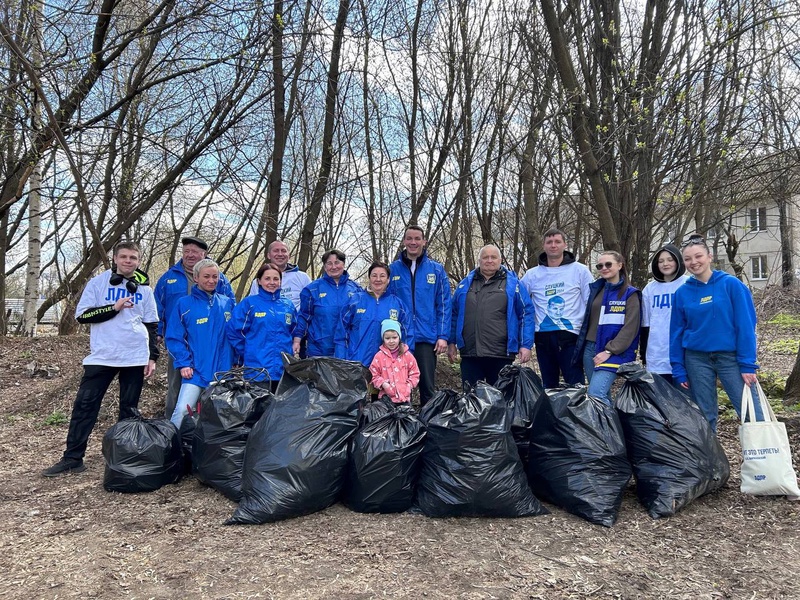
x: 422, y: 284
x: 492, y: 320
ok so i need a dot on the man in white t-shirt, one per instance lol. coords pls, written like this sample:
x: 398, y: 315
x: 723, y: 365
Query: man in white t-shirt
x: 293, y: 280
x: 559, y: 288
x: 121, y: 310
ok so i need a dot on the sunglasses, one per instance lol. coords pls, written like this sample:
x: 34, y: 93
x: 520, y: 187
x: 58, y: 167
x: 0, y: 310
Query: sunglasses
x: 605, y: 265
x: 694, y: 240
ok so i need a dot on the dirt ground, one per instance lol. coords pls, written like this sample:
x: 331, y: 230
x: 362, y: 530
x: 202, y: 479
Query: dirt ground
x: 68, y: 538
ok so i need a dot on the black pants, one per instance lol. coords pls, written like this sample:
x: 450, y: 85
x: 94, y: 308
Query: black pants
x: 482, y: 368
x: 425, y: 355
x: 554, y: 352
x: 668, y: 378
x: 174, y: 381
x: 94, y: 384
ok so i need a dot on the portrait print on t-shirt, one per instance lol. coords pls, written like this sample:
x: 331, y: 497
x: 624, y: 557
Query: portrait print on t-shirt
x: 555, y: 321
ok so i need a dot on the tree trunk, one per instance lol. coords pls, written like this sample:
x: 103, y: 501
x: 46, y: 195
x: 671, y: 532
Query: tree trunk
x: 792, y: 393
x: 326, y: 159
x: 34, y: 196
x: 581, y: 130
x: 787, y: 268
x: 267, y: 228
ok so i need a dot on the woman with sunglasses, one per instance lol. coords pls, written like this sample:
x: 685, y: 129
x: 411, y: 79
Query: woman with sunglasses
x: 712, y: 333
x: 610, y: 331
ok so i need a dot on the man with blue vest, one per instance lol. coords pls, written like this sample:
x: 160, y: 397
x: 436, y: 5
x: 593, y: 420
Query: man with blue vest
x: 422, y: 284
x: 492, y: 320
x: 173, y: 285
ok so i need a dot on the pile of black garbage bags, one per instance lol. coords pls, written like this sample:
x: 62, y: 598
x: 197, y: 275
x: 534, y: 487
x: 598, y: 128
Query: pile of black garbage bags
x: 488, y: 451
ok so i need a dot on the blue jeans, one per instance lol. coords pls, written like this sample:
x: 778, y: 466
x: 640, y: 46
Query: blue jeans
x: 702, y: 370
x: 188, y: 395
x: 600, y: 381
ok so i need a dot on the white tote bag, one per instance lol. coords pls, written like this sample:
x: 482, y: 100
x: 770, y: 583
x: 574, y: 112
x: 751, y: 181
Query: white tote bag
x: 766, y: 458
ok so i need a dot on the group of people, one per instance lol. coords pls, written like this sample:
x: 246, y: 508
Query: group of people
x: 692, y: 329
x: 689, y: 329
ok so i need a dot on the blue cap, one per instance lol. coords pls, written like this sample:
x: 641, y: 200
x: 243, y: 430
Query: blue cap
x: 390, y: 325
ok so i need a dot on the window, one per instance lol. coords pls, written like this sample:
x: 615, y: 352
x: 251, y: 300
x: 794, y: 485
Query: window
x: 758, y: 218
x: 758, y: 267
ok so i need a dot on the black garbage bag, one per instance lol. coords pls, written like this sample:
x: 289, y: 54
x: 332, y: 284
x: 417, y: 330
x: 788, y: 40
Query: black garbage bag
x: 577, y: 457
x: 470, y: 465
x: 188, y: 425
x: 375, y: 410
x: 229, y: 408
x: 522, y: 388
x: 383, y: 464
x: 141, y: 455
x: 297, y: 453
x: 675, y: 455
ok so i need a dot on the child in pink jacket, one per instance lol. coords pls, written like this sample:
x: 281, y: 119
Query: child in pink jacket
x: 394, y: 369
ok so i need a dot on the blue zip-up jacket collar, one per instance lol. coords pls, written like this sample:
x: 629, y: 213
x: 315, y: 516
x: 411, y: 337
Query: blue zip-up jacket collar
x: 426, y: 294
x: 172, y: 285
x: 269, y: 295
x: 261, y: 329
x: 195, y: 335
x: 520, y: 320
x: 358, y: 334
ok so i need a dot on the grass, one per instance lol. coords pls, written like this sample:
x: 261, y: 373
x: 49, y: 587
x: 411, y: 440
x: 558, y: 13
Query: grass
x: 788, y: 346
x: 785, y: 320
x: 775, y: 400
x: 55, y: 418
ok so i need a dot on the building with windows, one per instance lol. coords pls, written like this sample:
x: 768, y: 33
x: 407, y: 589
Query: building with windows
x: 757, y: 230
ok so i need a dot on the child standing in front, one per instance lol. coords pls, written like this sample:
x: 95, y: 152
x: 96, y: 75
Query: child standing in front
x: 394, y: 369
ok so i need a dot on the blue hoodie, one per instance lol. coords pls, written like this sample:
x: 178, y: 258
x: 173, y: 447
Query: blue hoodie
x: 321, y: 303
x: 520, y: 321
x: 426, y: 293
x: 196, y: 335
x: 261, y: 328
x: 358, y: 333
x: 718, y: 316
x: 173, y: 285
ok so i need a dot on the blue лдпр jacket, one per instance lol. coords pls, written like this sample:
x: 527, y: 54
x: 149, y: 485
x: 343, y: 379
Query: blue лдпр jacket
x: 358, y: 334
x: 196, y: 335
x: 172, y: 286
x: 261, y: 329
x: 321, y: 303
x: 426, y: 294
